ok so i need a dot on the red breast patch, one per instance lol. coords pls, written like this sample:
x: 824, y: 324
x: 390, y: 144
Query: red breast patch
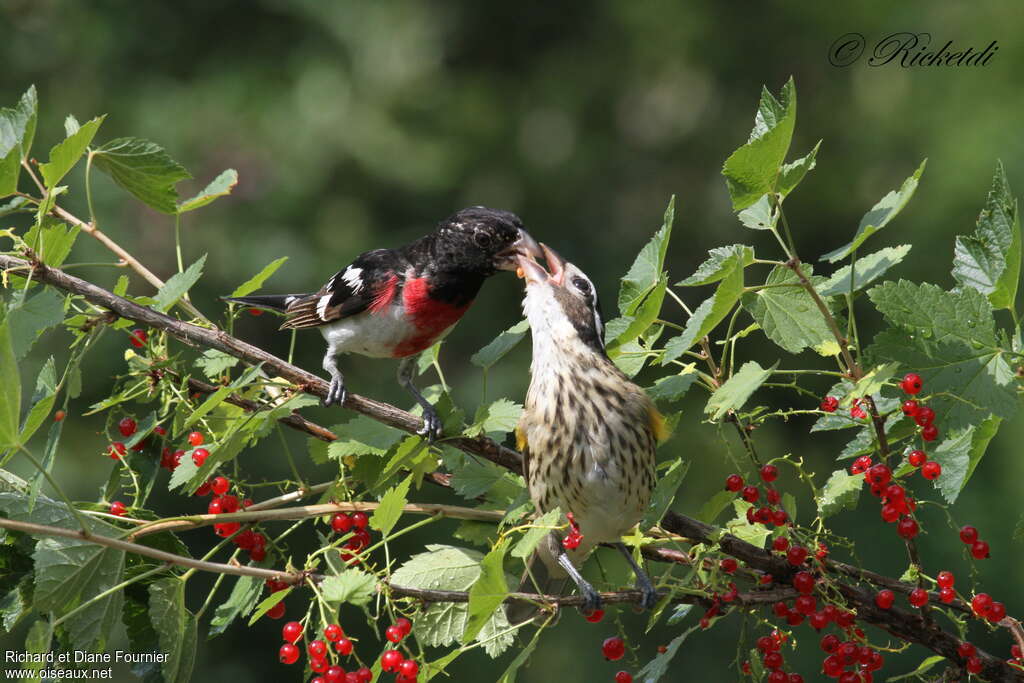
x: 430, y: 317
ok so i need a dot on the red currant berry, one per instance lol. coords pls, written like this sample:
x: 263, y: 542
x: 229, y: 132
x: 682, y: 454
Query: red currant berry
x: 333, y: 674
x: 594, y: 616
x: 729, y: 565
x: 409, y: 668
x: 861, y: 464
x: 623, y: 677
x: 317, y: 649
x: 59, y: 416
x: 966, y: 650
x: 907, y: 528
x: 818, y: 620
x: 974, y: 665
x: 996, y: 613
x: 394, y: 634
x: 292, y: 631
x: 288, y: 654
x: 804, y: 582
x: 981, y: 604
x: 794, y: 618
x: 780, y: 543
x: 572, y: 540
x: 780, y: 609
x: 220, y: 485
x: 1015, y: 652
x: 947, y: 595
x: 117, y: 450
x: 773, y: 660
x: 830, y: 643
x: 918, y: 597
x: 778, y: 676
x: 909, y: 408
x: 832, y: 666
x: 343, y: 646
x: 911, y: 383
x: 204, y: 489
x: 199, y: 456
x: 945, y: 579
x: 118, y: 508
x: 929, y: 433
x: 750, y: 494
x: 884, y: 598
x: 767, y: 644
x: 138, y: 338
x: 364, y: 675
x: 769, y: 473
x: 196, y: 438
x: 360, y: 520
x: 890, y: 513
x: 796, y: 555
x: 805, y: 604
x: 829, y: 404
x: 341, y: 522
x: 404, y: 624
x: 797, y: 678
x: 924, y: 416
x: 879, y: 474
x: 390, y: 660
x: 980, y: 550
x: 931, y: 470
x: 277, y: 611
x: 613, y: 648
x: 968, y: 534
x: 917, y: 458
x: 856, y: 412
x: 126, y: 426
x: 733, y: 482
x: 258, y: 554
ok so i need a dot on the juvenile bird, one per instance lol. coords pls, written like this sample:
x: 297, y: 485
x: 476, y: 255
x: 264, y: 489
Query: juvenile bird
x: 394, y: 303
x: 588, y: 434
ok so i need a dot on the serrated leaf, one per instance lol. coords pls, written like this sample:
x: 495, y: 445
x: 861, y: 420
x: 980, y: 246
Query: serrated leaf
x: 389, y: 512
x: 487, y: 592
x: 924, y: 667
x: 841, y: 491
x: 737, y: 389
x: 954, y: 454
x: 707, y: 316
x: 475, y: 477
x: 267, y: 603
x: 38, y: 641
x: 362, y: 436
x: 42, y: 401
x: 10, y: 397
x: 879, y: 216
x: 10, y: 169
x: 989, y: 260
x: 673, y: 387
x: 871, y: 383
x: 52, y: 241
x: 36, y: 315
x: 664, y: 493
x: 353, y: 586
x: 66, y: 154
x: 868, y: 269
x: 753, y: 169
x: 243, y: 597
x: 793, y: 173
x: 500, y: 416
x: 647, y: 268
x: 540, y: 528
x: 175, y: 626
x: 144, y: 169
x: 178, y: 285
x: 218, y: 187
x: 719, y: 264
x: 215, y: 363
x: 760, y: 215
x: 257, y: 280
x: 788, y: 315
x: 500, y: 345
x: 644, y: 316
x: 755, y: 534
x: 964, y: 316
x: 18, y: 125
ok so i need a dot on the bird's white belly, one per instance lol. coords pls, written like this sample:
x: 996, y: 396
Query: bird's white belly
x: 373, y: 334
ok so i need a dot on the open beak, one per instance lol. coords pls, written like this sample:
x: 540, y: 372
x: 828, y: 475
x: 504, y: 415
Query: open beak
x: 535, y: 273
x: 524, y: 247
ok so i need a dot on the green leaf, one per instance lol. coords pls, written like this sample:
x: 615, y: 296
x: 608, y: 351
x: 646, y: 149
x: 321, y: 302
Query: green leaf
x: 924, y: 667
x: 879, y: 216
x: 144, y: 169
x: 673, y: 387
x: 841, y: 491
x: 38, y: 641
x: 713, y: 507
x: 788, y: 315
x: 868, y: 269
x: 267, y: 604
x: 644, y: 316
x: 954, y: 454
x: 42, y: 401
x: 18, y: 125
x: 664, y: 493
x: 964, y: 316
x: 540, y: 528
x: 760, y: 215
x: 487, y: 592
x: 353, y: 586
x: 362, y: 436
x: 647, y: 268
x: 721, y: 263
x: 175, y: 626
x: 445, y: 567
x: 739, y: 527
x: 475, y: 477
x: 387, y: 515
x: 753, y: 169
x: 707, y: 316
x: 215, y: 363
x: 218, y: 187
x: 244, y: 596
x: 659, y: 666
x: 871, y: 383
x: 792, y: 173
x: 989, y: 260
x: 10, y: 397
x: 66, y: 154
x: 499, y: 417
x: 71, y: 125
x: 524, y: 656
x: 10, y: 169
x: 737, y: 389
x: 52, y: 241
x: 29, y: 320
x: 500, y: 345
x: 178, y: 285
x: 16, y: 604
x: 257, y: 280
x: 983, y: 435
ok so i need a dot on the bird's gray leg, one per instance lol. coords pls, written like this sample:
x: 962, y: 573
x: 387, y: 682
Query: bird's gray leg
x: 432, y: 425
x: 336, y: 391
x: 591, y: 600
x: 648, y: 596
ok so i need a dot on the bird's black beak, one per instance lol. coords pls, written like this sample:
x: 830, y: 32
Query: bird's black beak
x: 524, y: 246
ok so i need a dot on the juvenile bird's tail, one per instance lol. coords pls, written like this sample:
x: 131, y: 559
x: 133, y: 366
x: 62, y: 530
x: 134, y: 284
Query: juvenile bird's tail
x: 537, y: 578
x: 273, y: 302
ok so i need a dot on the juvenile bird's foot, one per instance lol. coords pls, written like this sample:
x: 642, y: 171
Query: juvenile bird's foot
x: 336, y: 392
x: 432, y: 425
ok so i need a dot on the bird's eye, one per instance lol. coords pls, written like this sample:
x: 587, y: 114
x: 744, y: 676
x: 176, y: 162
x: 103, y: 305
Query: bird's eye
x: 582, y: 285
x: 482, y: 239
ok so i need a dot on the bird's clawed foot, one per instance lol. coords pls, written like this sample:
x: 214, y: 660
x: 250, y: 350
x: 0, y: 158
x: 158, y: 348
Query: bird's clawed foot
x: 336, y: 392
x: 648, y: 596
x: 432, y: 425
x: 591, y: 599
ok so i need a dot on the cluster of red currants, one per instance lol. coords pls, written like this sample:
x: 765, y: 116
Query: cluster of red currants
x: 356, y: 522
x: 769, y: 514
x: 392, y: 661
x: 317, y: 652
x: 128, y: 427
x: 572, y: 540
x: 170, y: 460
x: 223, y: 503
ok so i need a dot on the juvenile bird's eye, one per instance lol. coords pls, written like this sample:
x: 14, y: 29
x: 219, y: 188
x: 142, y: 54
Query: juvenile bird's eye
x: 582, y: 285
x: 482, y: 239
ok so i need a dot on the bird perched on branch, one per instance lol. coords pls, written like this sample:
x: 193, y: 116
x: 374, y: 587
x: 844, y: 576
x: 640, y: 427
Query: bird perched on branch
x: 394, y: 303
x: 588, y: 434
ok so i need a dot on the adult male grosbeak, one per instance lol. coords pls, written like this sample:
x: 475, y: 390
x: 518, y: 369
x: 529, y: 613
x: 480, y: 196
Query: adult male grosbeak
x: 587, y: 433
x: 394, y: 303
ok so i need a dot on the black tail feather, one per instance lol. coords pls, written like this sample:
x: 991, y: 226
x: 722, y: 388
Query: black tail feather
x: 273, y: 302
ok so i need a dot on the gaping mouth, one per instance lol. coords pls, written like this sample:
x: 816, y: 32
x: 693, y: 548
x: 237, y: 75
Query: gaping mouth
x: 524, y: 247
x: 534, y: 273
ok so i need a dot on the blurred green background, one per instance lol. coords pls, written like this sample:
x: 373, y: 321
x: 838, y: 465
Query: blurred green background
x: 356, y: 125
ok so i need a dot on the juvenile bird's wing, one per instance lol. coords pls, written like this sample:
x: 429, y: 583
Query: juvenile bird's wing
x: 370, y: 283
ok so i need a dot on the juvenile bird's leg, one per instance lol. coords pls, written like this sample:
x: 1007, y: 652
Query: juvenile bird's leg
x: 336, y: 391
x: 591, y: 600
x: 432, y: 425
x: 648, y: 596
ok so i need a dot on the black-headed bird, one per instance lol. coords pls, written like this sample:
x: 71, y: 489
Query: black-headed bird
x: 395, y: 303
x: 588, y: 434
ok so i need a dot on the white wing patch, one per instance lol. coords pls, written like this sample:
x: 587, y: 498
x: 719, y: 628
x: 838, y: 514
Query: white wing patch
x: 289, y: 300
x: 353, y: 277
x: 321, y: 306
